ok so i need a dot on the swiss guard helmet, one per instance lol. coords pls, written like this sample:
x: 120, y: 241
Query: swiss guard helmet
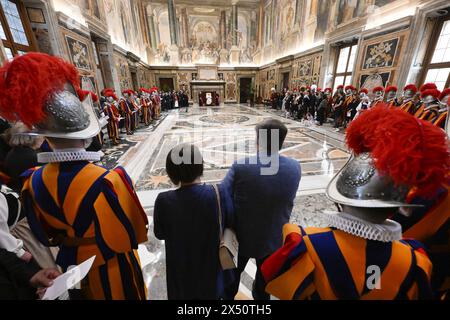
x: 393, y: 152
x: 41, y: 91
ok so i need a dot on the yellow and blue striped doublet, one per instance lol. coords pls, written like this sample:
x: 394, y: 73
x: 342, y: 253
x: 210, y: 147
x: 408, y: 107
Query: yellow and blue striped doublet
x: 430, y: 224
x: 88, y: 210
x: 325, y: 263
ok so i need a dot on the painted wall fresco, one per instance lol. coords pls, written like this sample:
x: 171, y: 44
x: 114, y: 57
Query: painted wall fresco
x: 205, y: 43
x: 291, y: 26
x: 144, y: 77
x: 323, y: 17
x: 123, y: 23
x: 266, y: 80
x: 306, y: 71
x: 123, y: 71
x: 230, y: 87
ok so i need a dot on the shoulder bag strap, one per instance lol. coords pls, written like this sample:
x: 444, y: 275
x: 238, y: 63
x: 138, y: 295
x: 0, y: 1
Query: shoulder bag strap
x: 216, y: 190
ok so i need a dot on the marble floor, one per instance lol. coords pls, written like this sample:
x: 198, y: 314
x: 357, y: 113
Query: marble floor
x: 223, y: 134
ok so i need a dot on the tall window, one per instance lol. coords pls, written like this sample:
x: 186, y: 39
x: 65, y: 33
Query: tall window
x: 14, y: 28
x: 344, y: 66
x: 437, y: 62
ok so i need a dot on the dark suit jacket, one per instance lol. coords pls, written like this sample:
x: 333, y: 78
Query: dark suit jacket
x: 262, y: 203
x: 15, y: 275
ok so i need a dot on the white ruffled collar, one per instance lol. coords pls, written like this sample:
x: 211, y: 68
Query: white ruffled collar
x: 67, y: 155
x: 387, y: 231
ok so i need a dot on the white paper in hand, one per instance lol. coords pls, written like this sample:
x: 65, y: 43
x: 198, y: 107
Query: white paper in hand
x: 68, y: 280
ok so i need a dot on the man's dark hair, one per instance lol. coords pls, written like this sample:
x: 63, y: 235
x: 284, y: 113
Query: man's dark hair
x: 184, y: 163
x: 269, y: 125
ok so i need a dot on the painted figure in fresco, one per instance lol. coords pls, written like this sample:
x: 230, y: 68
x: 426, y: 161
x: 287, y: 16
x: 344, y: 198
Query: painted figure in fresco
x: 322, y: 19
x: 123, y: 20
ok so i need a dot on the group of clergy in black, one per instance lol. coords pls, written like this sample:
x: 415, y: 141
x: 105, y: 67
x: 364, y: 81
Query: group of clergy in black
x: 174, y: 100
x: 302, y: 104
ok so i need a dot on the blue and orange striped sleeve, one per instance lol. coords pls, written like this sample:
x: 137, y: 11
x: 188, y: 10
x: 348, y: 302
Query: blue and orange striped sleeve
x: 121, y: 220
x: 274, y: 264
x: 289, y: 271
x: 32, y: 213
x: 421, y: 289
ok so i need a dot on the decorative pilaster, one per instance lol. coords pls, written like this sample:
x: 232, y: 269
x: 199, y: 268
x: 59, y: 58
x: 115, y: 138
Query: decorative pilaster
x: 234, y: 52
x: 223, y: 29
x: 234, y: 22
x: 151, y: 22
x: 184, y: 26
x: 174, y: 53
x: 172, y: 22
x: 158, y: 35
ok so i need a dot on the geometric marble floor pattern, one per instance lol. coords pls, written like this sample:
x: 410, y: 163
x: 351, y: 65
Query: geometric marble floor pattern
x: 225, y: 134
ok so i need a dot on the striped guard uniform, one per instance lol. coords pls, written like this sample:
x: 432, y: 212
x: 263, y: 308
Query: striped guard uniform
x: 99, y: 210
x: 329, y: 264
x: 430, y: 224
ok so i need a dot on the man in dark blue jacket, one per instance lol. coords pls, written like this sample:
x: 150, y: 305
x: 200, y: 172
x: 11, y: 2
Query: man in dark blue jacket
x: 263, y: 188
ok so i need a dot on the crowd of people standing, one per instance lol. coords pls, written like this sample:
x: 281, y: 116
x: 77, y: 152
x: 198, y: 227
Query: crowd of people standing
x: 346, y: 103
x: 174, y: 100
x: 132, y: 110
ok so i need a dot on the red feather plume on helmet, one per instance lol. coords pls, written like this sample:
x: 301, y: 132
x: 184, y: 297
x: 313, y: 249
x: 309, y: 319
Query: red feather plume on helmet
x: 427, y: 86
x: 430, y: 92
x: 390, y: 88
x: 379, y: 88
x: 364, y: 90
x: 82, y: 94
x: 350, y: 87
x: 444, y: 93
x: 143, y: 90
x: 105, y: 90
x: 26, y: 83
x: 411, y: 87
x: 110, y: 93
x: 93, y: 96
x: 128, y: 91
x: 410, y: 151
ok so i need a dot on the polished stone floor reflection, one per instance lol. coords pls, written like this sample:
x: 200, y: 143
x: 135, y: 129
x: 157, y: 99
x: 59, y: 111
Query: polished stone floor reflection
x: 227, y: 134
x: 224, y: 134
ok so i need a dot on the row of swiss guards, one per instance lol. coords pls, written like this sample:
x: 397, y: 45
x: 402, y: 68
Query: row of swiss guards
x: 130, y: 110
x: 390, y: 235
x: 426, y: 103
x: 84, y: 209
